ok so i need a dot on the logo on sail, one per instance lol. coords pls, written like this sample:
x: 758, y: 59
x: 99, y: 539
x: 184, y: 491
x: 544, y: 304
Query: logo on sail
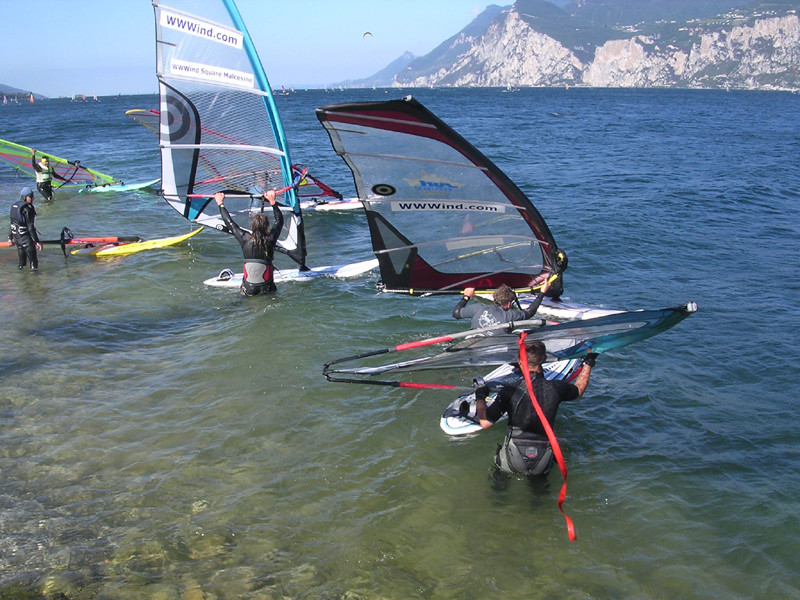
x: 199, y: 28
x: 219, y: 75
x: 433, y: 185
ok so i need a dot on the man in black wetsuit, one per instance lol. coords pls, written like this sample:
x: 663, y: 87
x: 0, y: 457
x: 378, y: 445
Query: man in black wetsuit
x: 22, y: 231
x: 44, y: 175
x: 526, y: 449
x: 258, y: 247
x: 500, y: 311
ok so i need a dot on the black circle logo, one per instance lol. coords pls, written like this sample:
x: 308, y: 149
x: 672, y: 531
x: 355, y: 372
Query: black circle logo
x: 384, y: 189
x: 179, y: 120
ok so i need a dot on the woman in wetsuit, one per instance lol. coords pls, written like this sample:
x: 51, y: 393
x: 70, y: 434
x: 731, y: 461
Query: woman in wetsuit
x: 258, y: 247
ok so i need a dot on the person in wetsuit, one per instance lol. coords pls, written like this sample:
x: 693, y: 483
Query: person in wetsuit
x: 500, y: 311
x: 258, y: 247
x: 44, y: 175
x: 22, y: 231
x: 526, y: 449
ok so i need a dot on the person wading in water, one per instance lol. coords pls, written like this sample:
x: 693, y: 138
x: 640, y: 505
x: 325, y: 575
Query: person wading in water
x: 526, y: 449
x: 22, y: 232
x: 258, y: 247
x: 44, y: 175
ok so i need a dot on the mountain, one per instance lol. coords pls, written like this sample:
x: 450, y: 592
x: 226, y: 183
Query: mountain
x: 630, y: 12
x: 441, y: 56
x: 448, y: 51
x: 384, y: 77
x: 618, y: 43
x: 12, y: 91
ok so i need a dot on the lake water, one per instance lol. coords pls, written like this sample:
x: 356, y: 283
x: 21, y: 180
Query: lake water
x: 161, y: 439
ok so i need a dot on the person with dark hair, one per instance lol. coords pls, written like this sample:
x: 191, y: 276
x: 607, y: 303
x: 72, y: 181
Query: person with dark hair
x: 500, y: 311
x: 22, y: 231
x: 44, y: 175
x: 526, y: 449
x: 258, y: 247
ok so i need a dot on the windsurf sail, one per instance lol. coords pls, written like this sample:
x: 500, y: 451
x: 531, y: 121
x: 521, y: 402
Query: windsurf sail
x: 441, y: 215
x: 309, y: 187
x: 219, y: 128
x: 74, y: 174
x: 563, y: 342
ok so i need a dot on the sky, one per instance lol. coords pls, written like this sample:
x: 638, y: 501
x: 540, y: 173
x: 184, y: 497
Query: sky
x: 66, y: 47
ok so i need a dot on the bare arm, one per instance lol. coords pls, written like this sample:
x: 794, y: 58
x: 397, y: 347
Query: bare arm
x: 582, y: 382
x: 480, y: 407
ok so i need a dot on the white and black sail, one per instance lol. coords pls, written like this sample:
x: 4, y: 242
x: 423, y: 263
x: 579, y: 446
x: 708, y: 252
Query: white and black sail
x: 219, y: 128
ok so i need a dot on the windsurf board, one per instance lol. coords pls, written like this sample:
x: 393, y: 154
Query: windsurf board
x: 122, y: 249
x: 460, y: 417
x: 121, y: 188
x: 562, y: 310
x: 229, y: 279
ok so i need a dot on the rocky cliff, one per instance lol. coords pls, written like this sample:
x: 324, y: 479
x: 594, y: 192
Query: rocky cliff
x: 759, y: 50
x: 764, y: 55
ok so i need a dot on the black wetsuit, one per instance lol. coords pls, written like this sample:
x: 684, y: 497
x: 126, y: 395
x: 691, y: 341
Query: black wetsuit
x: 257, y: 277
x: 44, y: 178
x: 487, y: 316
x: 23, y: 232
x: 526, y: 449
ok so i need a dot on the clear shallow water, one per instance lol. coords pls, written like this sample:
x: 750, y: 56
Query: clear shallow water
x: 159, y: 439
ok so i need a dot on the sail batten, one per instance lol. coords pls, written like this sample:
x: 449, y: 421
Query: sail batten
x: 430, y: 195
x: 234, y: 147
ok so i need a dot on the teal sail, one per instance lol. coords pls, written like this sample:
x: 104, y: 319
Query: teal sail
x: 564, y: 341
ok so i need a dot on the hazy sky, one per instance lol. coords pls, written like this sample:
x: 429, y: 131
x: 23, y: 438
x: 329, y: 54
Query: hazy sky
x: 66, y: 47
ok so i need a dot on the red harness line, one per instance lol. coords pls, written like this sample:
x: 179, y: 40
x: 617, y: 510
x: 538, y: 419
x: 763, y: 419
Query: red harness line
x: 551, y: 436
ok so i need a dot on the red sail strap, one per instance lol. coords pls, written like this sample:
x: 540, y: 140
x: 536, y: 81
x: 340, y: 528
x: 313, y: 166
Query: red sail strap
x: 551, y: 436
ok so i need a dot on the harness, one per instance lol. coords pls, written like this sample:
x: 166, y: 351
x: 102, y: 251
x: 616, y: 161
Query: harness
x: 45, y: 175
x: 19, y: 224
x: 522, y: 455
x: 257, y: 271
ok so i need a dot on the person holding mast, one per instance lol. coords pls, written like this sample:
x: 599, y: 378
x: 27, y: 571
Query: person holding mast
x: 500, y: 311
x: 44, y: 175
x: 258, y: 247
x: 526, y: 449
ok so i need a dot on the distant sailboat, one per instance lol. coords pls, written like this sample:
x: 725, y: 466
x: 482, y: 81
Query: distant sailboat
x: 5, y: 100
x: 95, y: 97
x: 83, y: 97
x: 31, y: 98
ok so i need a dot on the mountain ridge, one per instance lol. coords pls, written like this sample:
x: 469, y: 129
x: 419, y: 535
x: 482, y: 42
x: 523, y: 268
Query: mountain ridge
x: 602, y: 43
